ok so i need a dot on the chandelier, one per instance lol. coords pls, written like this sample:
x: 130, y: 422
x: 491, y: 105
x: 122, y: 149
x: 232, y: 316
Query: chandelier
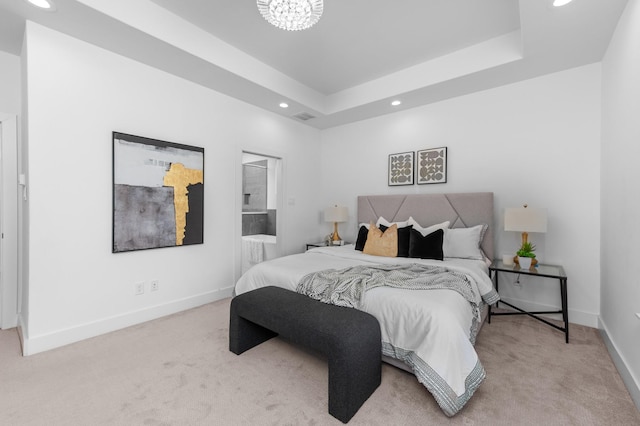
x: 291, y: 15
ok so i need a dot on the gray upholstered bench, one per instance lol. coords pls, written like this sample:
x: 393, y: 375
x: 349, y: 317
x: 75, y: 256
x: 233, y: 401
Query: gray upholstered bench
x: 348, y: 337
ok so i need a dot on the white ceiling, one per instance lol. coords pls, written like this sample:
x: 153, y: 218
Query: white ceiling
x: 355, y: 41
x: 349, y: 66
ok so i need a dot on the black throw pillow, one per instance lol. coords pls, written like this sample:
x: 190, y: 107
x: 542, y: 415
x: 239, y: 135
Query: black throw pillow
x: 404, y: 234
x: 427, y: 247
x: 362, y: 238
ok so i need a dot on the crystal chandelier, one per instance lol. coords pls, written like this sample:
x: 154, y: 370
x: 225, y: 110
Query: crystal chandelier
x: 291, y: 15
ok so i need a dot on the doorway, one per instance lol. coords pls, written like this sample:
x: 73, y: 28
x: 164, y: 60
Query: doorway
x: 9, y: 289
x: 261, y: 176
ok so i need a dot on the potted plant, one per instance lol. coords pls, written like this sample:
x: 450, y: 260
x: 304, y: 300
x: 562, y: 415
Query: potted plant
x: 526, y: 255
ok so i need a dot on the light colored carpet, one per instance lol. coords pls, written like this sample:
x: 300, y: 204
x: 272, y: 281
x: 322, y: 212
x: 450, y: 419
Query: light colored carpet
x: 178, y: 371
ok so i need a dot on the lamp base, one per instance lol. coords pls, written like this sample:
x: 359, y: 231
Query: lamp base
x: 335, y: 236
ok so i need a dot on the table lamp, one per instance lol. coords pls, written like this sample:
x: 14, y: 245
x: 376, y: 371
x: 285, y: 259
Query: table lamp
x: 525, y: 219
x: 336, y: 214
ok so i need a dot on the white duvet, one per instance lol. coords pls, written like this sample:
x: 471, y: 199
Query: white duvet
x: 431, y: 331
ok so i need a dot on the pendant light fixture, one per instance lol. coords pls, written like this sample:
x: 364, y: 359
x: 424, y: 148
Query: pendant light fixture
x: 291, y: 15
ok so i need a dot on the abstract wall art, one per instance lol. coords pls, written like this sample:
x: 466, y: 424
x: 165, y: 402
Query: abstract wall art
x: 401, y: 169
x: 432, y: 166
x: 158, y: 193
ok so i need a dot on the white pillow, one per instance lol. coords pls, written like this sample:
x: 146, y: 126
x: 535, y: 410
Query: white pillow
x: 464, y: 243
x: 429, y: 229
x: 385, y: 222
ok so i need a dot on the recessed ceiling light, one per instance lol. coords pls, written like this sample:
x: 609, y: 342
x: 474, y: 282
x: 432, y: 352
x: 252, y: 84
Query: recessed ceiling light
x: 396, y: 103
x: 284, y: 105
x: 558, y: 3
x: 43, y: 4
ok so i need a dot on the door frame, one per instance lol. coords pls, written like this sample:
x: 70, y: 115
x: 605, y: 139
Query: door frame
x: 9, y: 288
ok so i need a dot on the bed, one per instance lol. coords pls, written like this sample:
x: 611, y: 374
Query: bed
x: 428, y: 327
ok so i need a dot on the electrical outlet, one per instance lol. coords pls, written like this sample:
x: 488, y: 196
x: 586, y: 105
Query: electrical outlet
x: 139, y: 288
x: 155, y: 285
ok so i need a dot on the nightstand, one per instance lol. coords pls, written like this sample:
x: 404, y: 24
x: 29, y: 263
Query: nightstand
x: 547, y: 271
x: 323, y: 244
x: 319, y: 244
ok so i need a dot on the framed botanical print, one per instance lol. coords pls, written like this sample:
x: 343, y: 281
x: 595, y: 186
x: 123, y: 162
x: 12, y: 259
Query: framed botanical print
x: 432, y: 166
x: 401, y: 168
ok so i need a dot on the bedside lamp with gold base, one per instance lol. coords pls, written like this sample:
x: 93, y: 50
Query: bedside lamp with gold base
x: 525, y: 219
x: 336, y: 215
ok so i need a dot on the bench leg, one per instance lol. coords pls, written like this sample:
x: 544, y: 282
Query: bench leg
x: 352, y: 380
x: 244, y: 334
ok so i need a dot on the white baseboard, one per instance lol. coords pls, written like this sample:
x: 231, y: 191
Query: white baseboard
x: 591, y: 320
x: 44, y: 342
x: 632, y: 383
x: 575, y: 317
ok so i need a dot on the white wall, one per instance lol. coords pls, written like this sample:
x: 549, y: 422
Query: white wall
x: 535, y: 142
x: 620, y: 288
x: 9, y: 83
x: 77, y: 95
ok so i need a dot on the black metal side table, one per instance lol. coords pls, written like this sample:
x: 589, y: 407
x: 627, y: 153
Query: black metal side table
x: 547, y: 271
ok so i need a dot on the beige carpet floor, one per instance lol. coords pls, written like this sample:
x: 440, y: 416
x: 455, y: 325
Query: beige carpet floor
x: 178, y: 371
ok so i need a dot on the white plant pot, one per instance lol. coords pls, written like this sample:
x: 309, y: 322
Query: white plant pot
x: 525, y: 262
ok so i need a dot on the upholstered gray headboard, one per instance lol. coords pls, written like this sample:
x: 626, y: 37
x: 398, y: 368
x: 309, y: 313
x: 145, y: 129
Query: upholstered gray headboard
x: 463, y: 210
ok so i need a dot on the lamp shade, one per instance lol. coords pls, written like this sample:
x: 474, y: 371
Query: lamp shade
x: 336, y: 214
x: 525, y: 219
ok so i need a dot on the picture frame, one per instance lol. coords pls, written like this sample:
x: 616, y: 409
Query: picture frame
x: 432, y: 166
x: 401, y: 168
x: 158, y: 193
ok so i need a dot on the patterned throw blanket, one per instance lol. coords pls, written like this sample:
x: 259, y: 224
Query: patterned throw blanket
x: 347, y: 287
